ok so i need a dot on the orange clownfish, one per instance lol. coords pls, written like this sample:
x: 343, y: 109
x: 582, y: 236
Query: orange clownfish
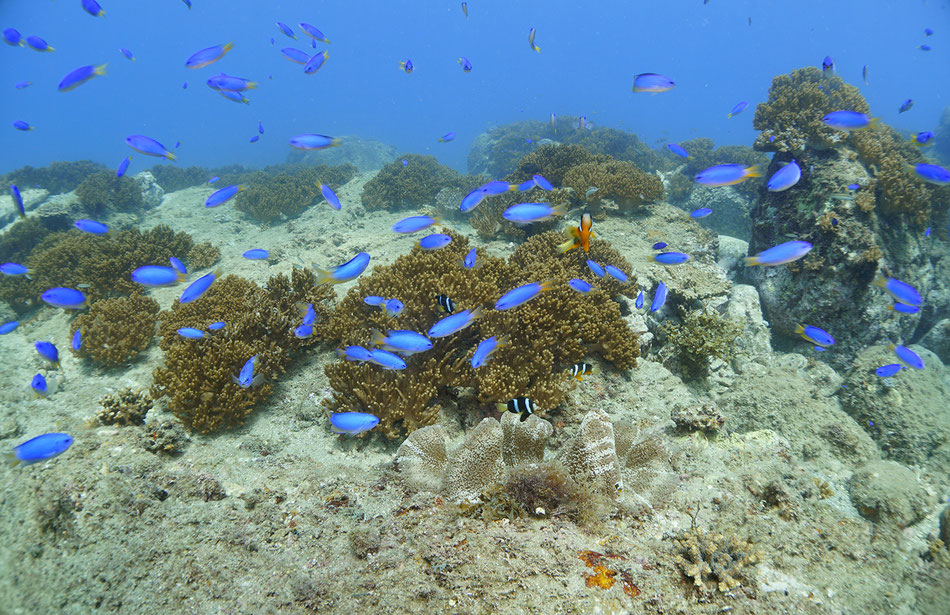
x: 580, y: 236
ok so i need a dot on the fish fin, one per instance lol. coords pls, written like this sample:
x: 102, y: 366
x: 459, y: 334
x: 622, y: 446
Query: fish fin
x: 880, y: 280
x: 559, y: 210
x: 477, y: 313
x: 799, y: 330
x: 751, y: 261
x: 236, y: 381
x: 546, y: 285
x: 169, y: 156
x: 501, y: 407
x: 753, y: 171
x: 579, y: 378
x: 11, y: 459
x: 337, y: 430
x: 323, y: 276
x: 101, y: 69
x: 567, y: 246
x: 378, y: 338
x: 259, y: 378
x: 227, y: 47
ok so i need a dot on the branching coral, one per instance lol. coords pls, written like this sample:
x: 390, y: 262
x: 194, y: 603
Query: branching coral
x: 402, y: 186
x: 545, y: 336
x: 713, y: 561
x: 115, y: 330
x: 58, y: 177
x: 270, y: 196
x: 618, y: 180
x: 202, y: 255
x: 103, y: 191
x: 791, y: 119
x: 197, y: 374
x: 554, y: 161
x: 101, y: 264
x: 888, y: 157
x: 700, y: 337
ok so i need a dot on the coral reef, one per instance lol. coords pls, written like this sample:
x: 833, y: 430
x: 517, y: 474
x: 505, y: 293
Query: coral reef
x: 700, y: 337
x: 103, y: 191
x: 497, y: 151
x: 285, y: 194
x: 202, y: 255
x: 714, y: 562
x: 58, y: 177
x: 554, y: 161
x: 855, y: 235
x: 102, y: 264
x: 791, y: 119
x: 125, y: 407
x: 196, y: 375
x: 174, y: 178
x: 412, y: 185
x: 115, y: 330
x: 546, y: 336
x: 618, y: 180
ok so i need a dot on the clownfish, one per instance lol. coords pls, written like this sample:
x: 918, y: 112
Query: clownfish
x: 580, y: 236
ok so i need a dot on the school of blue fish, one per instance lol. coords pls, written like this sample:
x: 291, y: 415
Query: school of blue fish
x: 391, y: 349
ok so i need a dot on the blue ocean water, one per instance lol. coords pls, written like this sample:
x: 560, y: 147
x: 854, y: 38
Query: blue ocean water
x: 718, y: 53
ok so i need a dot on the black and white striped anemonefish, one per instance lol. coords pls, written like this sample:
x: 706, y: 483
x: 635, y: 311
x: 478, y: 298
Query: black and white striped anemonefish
x: 519, y: 405
x: 579, y: 370
x: 446, y: 303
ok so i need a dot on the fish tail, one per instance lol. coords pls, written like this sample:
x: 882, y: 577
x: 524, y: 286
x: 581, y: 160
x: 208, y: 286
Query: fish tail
x: 567, y: 246
x: 750, y: 261
x: 559, y: 210
x: 378, y: 338
x: 501, y: 407
x: 251, y: 85
x: 323, y: 276
x: 336, y: 142
x: 753, y: 171
x: 227, y: 47
x: 11, y: 459
x: 101, y: 69
x: 880, y: 280
x: 477, y: 313
x: 799, y: 330
x: 169, y: 155
x: 546, y: 285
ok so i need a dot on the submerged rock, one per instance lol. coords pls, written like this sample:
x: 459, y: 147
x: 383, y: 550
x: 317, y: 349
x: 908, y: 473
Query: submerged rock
x: 152, y: 192
x: 889, y: 493
x: 905, y: 414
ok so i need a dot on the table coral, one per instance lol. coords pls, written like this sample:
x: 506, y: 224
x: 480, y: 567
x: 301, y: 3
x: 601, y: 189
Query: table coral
x: 115, y: 330
x: 403, y: 186
x: 196, y: 375
x: 546, y: 335
x: 791, y: 119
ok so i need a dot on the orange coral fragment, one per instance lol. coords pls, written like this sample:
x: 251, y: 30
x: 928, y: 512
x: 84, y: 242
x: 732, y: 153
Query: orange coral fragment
x: 603, y: 577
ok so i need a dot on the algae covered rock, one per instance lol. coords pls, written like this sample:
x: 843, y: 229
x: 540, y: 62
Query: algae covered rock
x: 889, y: 493
x: 905, y: 414
x: 103, y: 191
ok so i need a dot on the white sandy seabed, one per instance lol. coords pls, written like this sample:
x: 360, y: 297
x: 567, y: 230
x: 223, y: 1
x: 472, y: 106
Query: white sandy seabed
x: 282, y: 516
